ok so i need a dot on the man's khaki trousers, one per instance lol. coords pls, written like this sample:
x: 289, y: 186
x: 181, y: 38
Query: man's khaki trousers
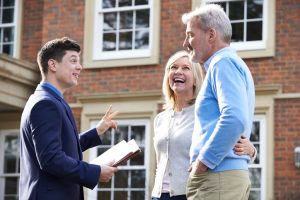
x: 227, y: 185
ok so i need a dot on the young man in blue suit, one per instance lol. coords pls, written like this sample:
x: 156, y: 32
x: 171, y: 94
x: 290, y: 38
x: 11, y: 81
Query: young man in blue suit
x: 51, y: 165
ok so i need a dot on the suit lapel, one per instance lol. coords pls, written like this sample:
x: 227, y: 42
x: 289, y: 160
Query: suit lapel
x: 71, y: 117
x: 69, y: 114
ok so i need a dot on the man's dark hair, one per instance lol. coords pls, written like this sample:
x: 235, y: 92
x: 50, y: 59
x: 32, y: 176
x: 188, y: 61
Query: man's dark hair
x: 55, y: 49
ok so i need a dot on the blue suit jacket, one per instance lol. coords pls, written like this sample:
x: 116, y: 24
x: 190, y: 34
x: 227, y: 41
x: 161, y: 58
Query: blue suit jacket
x: 51, y: 165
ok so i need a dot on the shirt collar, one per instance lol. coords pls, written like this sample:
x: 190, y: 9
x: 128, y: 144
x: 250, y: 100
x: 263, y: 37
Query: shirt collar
x: 51, y: 87
x: 207, y: 63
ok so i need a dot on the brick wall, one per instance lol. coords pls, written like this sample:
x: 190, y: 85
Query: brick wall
x: 287, y: 137
x: 32, y: 16
x: 77, y: 114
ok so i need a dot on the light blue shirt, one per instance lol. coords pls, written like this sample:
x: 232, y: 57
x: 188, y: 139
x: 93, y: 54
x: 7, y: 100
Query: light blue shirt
x: 51, y: 87
x: 224, y: 111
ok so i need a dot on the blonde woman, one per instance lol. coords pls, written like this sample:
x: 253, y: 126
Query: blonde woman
x: 174, y: 127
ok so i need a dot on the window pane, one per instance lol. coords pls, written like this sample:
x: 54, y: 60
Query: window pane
x: 11, y: 150
x: 110, y: 21
x: 142, y: 18
x: 11, y: 145
x: 139, y: 158
x: 120, y: 195
x: 255, y: 174
x: 237, y: 32
x: 10, y: 162
x: 138, y: 195
x: 8, y: 34
x: 126, y: 20
x: 223, y: 5
x: 121, y: 179
x: 254, y: 9
x: 255, y: 132
x: 104, y: 195
x: 125, y: 40
x: 254, y: 195
x: 11, y: 197
x: 8, y: 49
x: 125, y: 3
x: 7, y: 3
x: 11, y: 185
x: 138, y: 179
x: 108, y: 3
x: 141, y: 2
x: 138, y: 133
x: 254, y: 31
x: 18, y: 163
x: 121, y: 134
x: 142, y: 39
x: 236, y: 10
x: 106, y: 137
x: 109, y: 41
x: 102, y: 149
x: 8, y: 15
x: 102, y: 185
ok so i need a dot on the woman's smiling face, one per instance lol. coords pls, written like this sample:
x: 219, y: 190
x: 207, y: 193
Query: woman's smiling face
x: 181, y: 78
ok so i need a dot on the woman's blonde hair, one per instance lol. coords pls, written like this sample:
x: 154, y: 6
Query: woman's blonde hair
x: 170, y: 97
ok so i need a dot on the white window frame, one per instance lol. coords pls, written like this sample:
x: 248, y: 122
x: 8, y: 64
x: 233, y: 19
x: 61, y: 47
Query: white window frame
x: 98, y: 54
x: 254, y: 49
x: 91, y: 56
x: 262, y: 154
x: 250, y: 45
x: 3, y: 134
x: 13, y: 25
x: 92, y: 194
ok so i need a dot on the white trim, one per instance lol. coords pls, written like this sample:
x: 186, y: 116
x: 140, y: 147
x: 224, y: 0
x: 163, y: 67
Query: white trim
x: 263, y: 159
x: 262, y: 154
x: 246, y: 46
x: 142, y: 53
x: 16, y: 27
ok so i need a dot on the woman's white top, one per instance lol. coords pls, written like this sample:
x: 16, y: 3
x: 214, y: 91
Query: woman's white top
x: 172, y: 141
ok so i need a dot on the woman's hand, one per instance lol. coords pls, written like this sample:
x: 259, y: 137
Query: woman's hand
x: 244, y: 147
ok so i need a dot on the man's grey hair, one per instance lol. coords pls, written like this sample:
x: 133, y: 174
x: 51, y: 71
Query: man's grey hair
x: 211, y: 16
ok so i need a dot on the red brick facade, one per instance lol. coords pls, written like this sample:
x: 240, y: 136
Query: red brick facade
x: 45, y: 20
x: 287, y: 133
